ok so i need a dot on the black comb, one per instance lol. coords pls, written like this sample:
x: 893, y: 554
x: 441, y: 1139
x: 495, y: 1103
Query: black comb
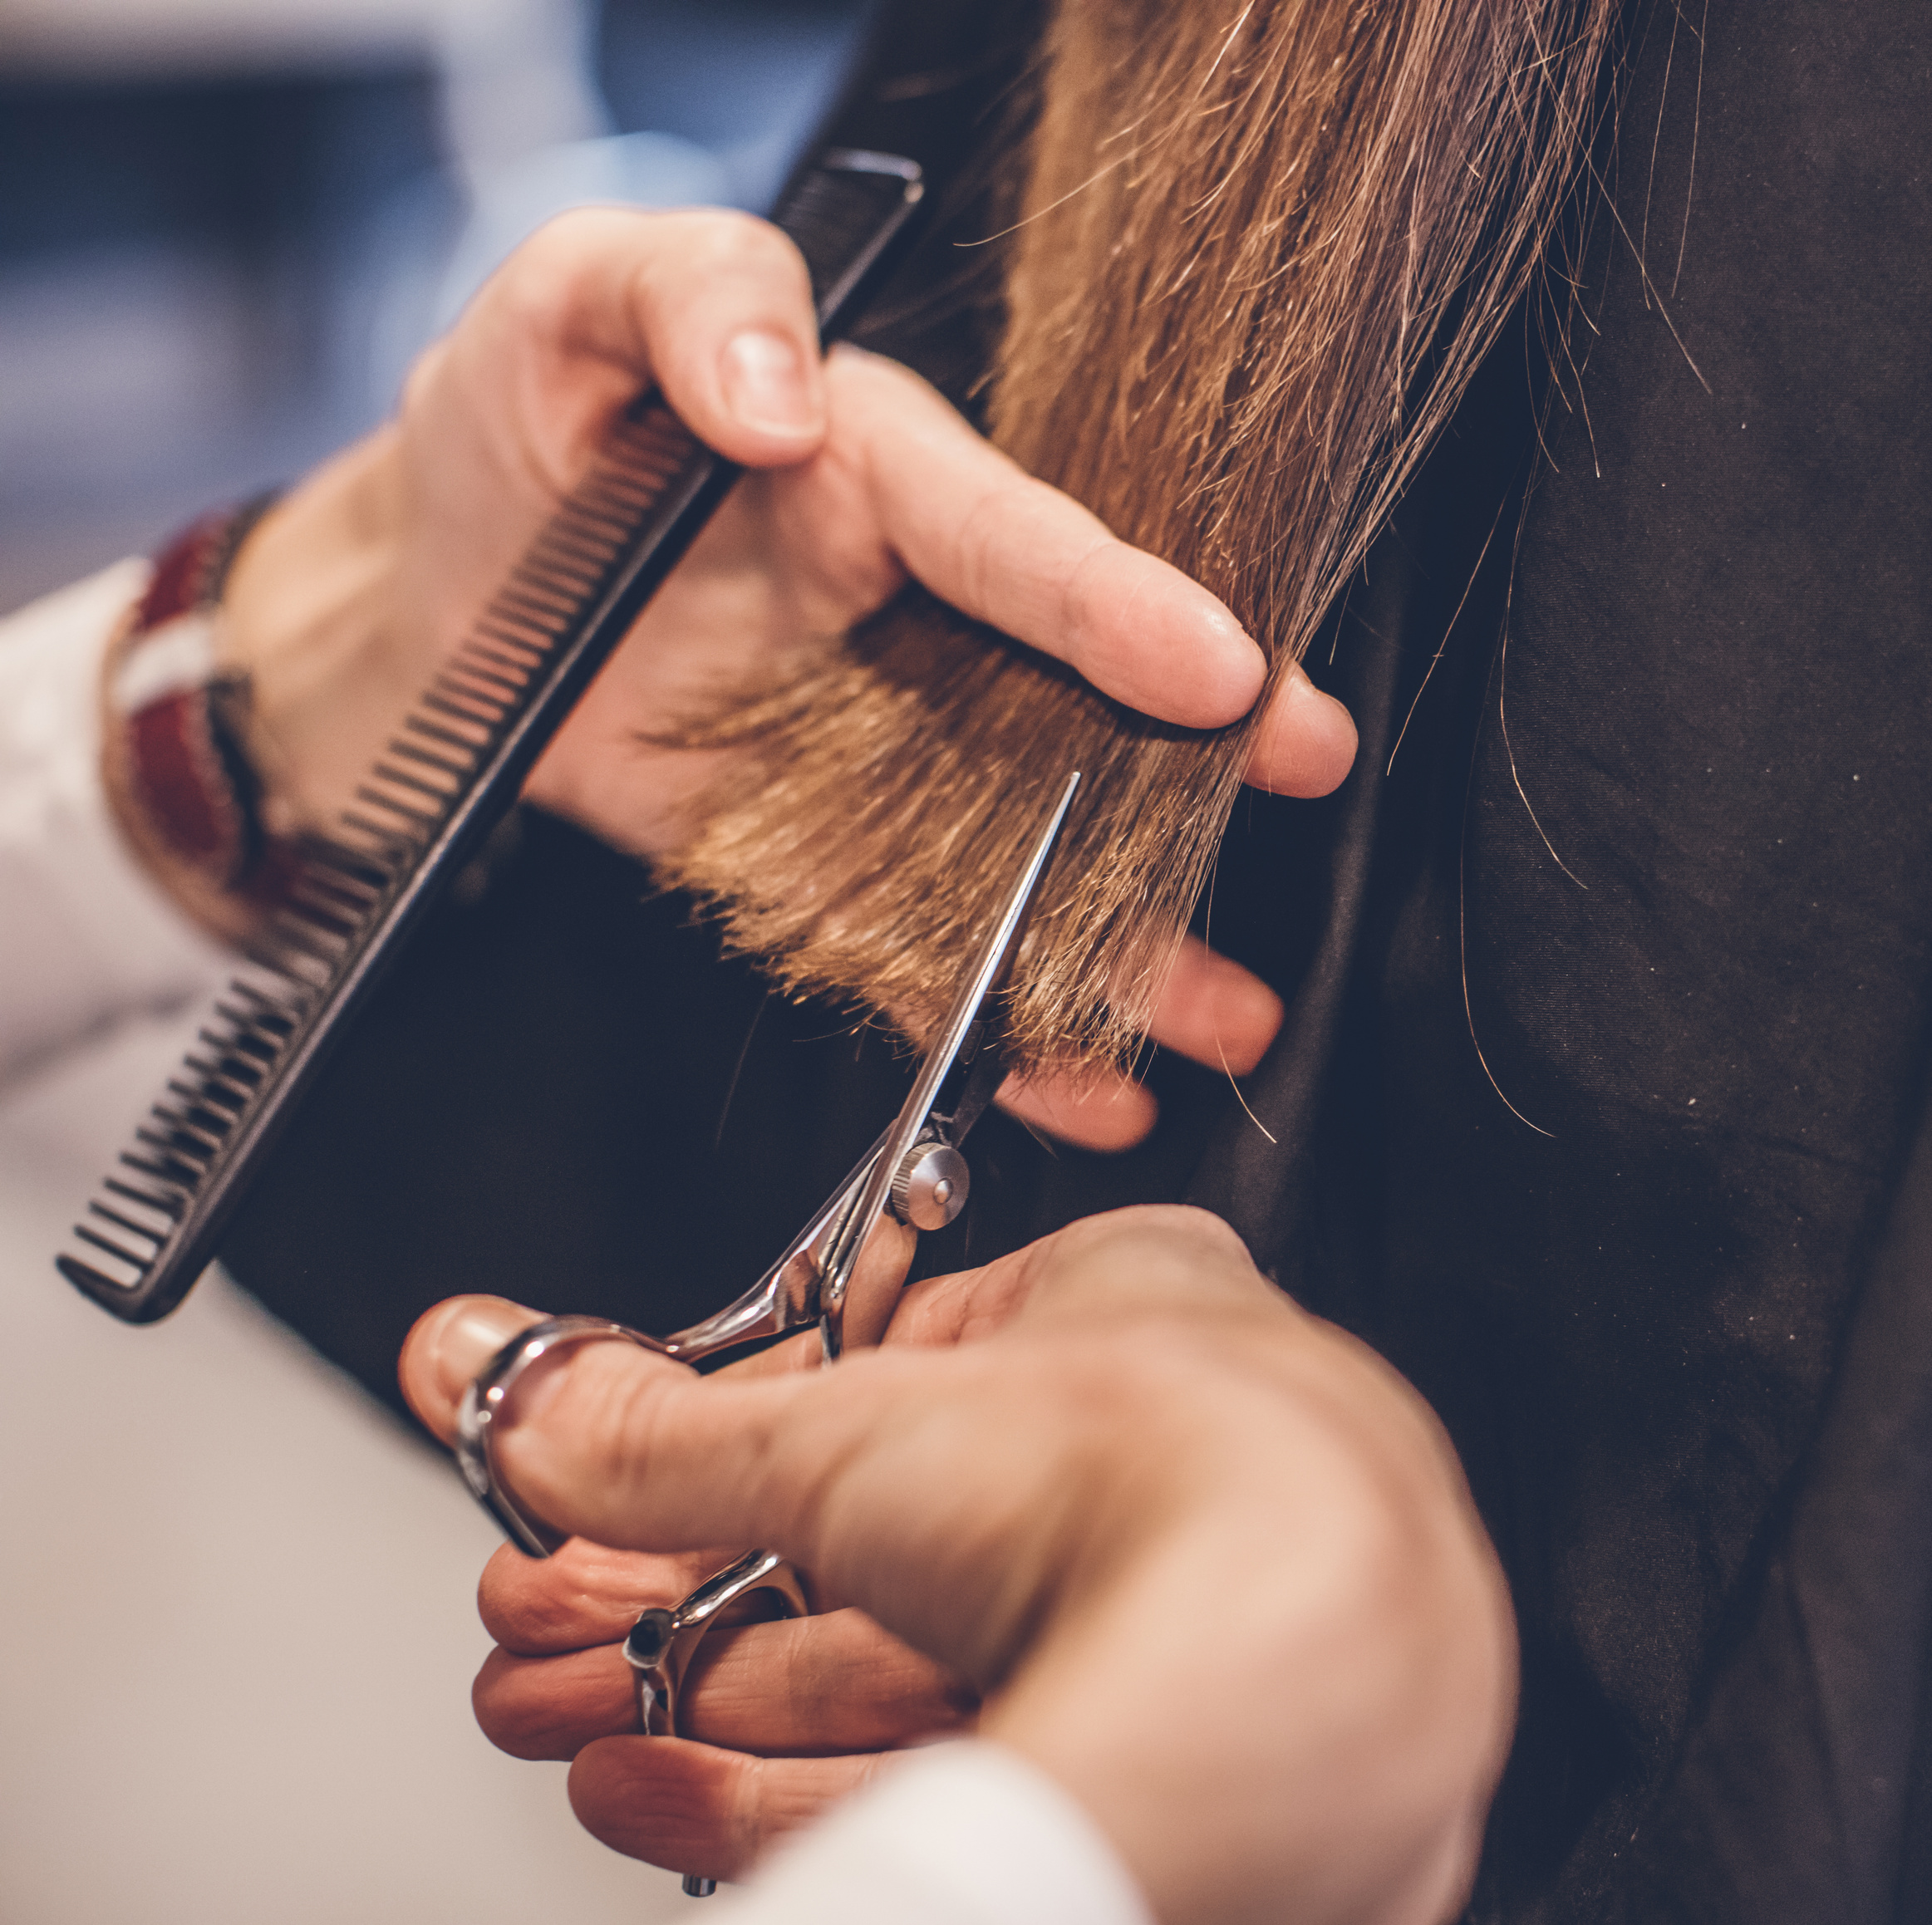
x: 452, y: 772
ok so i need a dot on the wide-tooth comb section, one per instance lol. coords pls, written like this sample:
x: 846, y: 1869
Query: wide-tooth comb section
x: 454, y: 766
x: 138, y: 1211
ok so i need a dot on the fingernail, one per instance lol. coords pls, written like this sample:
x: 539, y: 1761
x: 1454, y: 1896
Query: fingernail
x: 767, y: 384
x: 1308, y: 744
x: 1302, y: 689
x: 1337, y: 724
x: 475, y: 1328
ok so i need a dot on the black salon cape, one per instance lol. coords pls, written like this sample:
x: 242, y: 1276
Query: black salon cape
x: 1600, y: 1106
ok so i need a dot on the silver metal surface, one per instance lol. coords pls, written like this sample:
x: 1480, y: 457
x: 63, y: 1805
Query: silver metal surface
x: 662, y: 1643
x: 786, y: 1297
x: 914, y: 1170
x: 930, y: 1187
x: 484, y: 1402
x: 969, y: 1019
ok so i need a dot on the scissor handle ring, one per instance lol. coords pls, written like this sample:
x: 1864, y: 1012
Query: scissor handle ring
x: 662, y: 1643
x: 484, y: 1400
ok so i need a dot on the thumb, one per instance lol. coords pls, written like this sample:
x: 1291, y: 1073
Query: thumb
x: 715, y: 306
x: 612, y: 1443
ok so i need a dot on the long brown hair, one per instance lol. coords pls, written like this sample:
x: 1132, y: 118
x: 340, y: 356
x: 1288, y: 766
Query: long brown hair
x: 1262, y: 245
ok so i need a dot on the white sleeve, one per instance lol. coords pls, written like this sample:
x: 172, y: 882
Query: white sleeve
x: 965, y: 1834
x: 85, y: 936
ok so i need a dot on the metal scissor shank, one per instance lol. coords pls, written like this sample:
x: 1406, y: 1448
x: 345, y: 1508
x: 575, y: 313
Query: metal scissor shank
x: 914, y: 1175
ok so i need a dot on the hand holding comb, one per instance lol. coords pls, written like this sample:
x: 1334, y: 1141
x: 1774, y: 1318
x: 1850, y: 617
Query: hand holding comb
x: 453, y: 769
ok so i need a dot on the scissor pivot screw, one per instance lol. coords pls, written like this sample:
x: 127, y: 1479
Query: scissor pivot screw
x: 930, y: 1186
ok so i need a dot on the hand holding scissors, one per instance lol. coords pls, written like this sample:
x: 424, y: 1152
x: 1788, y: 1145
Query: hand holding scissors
x: 842, y: 1270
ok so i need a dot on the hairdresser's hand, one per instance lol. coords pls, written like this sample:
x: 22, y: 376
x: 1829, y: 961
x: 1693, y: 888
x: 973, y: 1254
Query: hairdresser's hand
x: 1210, y: 1562
x: 350, y: 592
x: 368, y: 573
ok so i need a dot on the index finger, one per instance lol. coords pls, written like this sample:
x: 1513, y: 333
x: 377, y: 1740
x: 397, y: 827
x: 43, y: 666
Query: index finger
x: 1007, y: 549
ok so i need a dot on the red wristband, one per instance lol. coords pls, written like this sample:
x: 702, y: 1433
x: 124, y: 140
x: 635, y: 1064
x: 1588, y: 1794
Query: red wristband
x: 184, y: 720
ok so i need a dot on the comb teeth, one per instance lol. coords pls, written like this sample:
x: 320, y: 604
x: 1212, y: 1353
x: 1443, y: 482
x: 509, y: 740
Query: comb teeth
x: 454, y: 766
x: 146, y: 1232
x: 142, y: 1203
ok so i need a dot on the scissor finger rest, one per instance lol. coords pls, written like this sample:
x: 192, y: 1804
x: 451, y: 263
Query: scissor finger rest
x: 662, y: 1643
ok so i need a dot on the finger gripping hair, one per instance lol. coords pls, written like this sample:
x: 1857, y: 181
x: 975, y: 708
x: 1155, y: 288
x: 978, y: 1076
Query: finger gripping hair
x: 1261, y: 249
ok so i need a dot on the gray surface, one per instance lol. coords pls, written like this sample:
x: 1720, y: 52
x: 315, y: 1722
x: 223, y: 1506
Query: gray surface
x: 239, y: 1625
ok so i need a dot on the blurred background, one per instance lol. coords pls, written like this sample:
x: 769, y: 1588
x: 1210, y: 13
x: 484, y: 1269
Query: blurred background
x: 237, y: 1629
x: 227, y: 225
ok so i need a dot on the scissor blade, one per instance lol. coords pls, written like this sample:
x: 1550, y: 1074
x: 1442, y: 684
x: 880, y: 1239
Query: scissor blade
x: 787, y: 1296
x: 983, y: 976
x: 982, y: 1083
x: 801, y: 1288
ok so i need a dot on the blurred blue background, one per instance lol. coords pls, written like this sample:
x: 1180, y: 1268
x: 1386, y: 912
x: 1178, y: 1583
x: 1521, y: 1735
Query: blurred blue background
x: 226, y: 226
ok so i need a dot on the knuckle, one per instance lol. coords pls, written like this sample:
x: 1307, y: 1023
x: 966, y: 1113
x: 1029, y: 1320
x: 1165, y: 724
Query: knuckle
x: 538, y: 283
x: 1201, y: 1226
x: 501, y: 1709
x: 539, y: 287
x: 622, y: 1414
x: 580, y: 233
x: 614, y: 1395
x: 1139, y: 1226
x: 747, y: 1812
x: 524, y: 1606
x: 549, y: 1707
x: 424, y: 373
x: 502, y: 1600
x: 871, y: 378
x: 610, y: 1394
x: 526, y: 306
x: 819, y: 1685
x: 879, y: 396
x: 1093, y: 588
x: 719, y: 243
x: 983, y: 540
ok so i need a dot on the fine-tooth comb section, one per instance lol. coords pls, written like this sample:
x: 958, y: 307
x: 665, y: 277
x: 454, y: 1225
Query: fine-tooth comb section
x: 452, y: 769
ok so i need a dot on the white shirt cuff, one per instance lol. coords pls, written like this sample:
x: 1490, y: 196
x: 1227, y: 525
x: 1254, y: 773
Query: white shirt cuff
x: 86, y: 936
x: 962, y: 1834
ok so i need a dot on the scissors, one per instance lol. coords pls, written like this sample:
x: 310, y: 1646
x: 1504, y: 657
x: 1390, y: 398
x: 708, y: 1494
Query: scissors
x: 914, y: 1175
